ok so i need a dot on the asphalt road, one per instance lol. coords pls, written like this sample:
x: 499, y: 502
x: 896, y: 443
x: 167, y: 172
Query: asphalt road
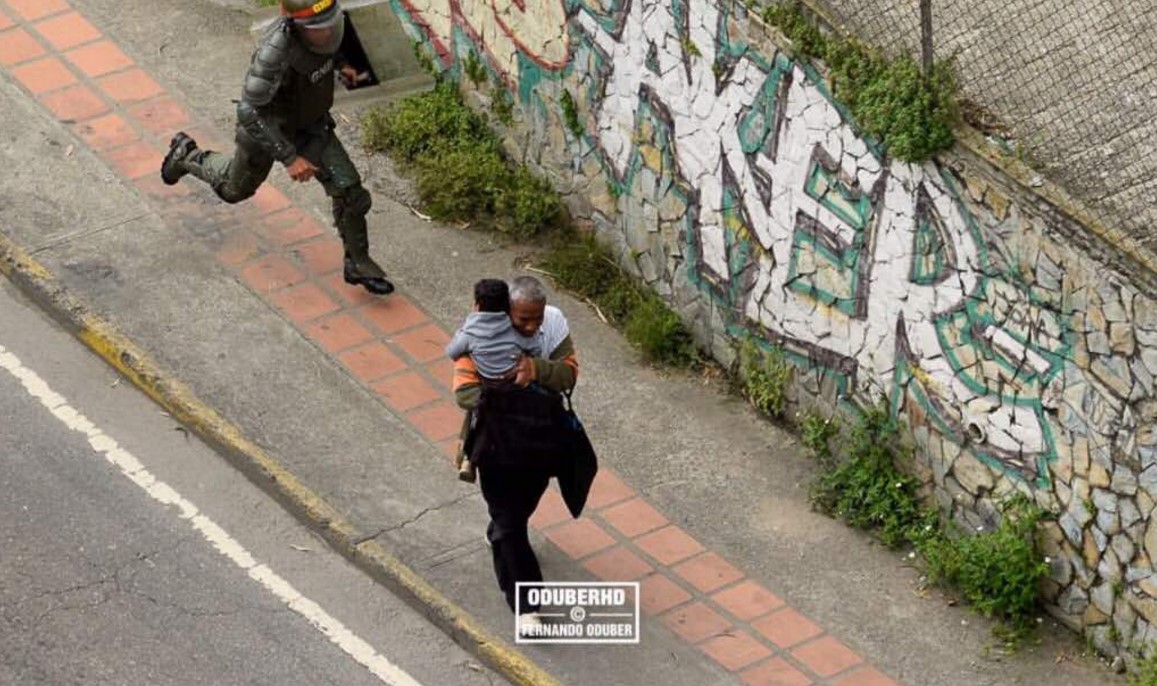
x: 102, y: 582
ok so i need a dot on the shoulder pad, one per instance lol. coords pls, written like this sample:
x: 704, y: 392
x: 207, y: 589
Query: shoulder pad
x: 270, y: 61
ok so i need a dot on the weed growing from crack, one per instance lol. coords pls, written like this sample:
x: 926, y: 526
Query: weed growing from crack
x: 816, y: 434
x: 765, y: 377
x: 1145, y: 673
x: 458, y: 165
x: 570, y: 116
x: 474, y: 69
x: 579, y: 263
x: 997, y: 572
x: 866, y: 488
x: 501, y: 105
x: 891, y: 99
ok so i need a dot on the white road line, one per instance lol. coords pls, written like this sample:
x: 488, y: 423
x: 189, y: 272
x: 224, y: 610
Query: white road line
x: 225, y: 544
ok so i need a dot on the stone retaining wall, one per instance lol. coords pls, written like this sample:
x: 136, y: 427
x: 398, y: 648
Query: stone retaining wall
x: 727, y: 178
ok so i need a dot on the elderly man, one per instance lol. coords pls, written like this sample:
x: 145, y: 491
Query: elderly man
x: 512, y: 484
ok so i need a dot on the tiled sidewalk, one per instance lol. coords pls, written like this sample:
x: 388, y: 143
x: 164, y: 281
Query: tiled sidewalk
x: 393, y: 347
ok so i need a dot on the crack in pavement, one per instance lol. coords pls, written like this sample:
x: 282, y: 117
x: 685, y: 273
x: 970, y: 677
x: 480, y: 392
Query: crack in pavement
x: 401, y: 525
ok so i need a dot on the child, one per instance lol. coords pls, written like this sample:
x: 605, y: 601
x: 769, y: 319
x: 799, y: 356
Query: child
x: 488, y: 336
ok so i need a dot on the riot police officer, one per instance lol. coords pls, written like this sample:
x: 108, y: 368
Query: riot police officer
x: 283, y: 116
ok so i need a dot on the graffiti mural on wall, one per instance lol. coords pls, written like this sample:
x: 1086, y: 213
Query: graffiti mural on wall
x: 873, y: 268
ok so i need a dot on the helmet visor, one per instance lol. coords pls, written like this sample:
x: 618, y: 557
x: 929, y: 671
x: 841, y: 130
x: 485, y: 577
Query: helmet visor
x: 321, y: 26
x: 323, y: 40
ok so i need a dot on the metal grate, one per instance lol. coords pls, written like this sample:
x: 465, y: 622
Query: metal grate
x: 1073, y: 81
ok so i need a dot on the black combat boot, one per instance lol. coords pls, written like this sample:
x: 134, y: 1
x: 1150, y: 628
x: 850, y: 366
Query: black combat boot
x: 378, y: 285
x: 180, y: 148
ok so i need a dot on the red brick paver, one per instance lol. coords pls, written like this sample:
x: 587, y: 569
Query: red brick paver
x: 775, y: 672
x: 99, y: 58
x: 826, y: 656
x: 394, y: 314
x: 439, y: 422
x: 371, y: 362
x: 747, y: 600
x: 735, y: 650
x: 617, y: 564
x: 75, y: 103
x: 105, y: 132
x: 657, y: 594
x: 135, y: 159
x: 304, y: 303
x: 130, y: 86
x: 443, y: 373
x: 669, y: 545
x: 339, y: 332
x: 289, y: 226
x: 67, y: 30
x: 551, y: 511
x: 580, y: 538
x: 35, y: 9
x: 424, y: 344
x: 267, y: 198
x: 352, y: 296
x: 406, y: 391
x: 786, y: 628
x: 696, y: 622
x: 270, y: 273
x: 17, y: 46
x: 708, y: 572
x: 607, y: 489
x: 43, y: 75
x: 322, y: 256
x: 634, y: 517
x: 160, y: 117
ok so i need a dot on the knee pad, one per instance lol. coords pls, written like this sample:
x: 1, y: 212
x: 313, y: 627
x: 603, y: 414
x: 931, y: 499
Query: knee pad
x: 356, y: 201
x: 232, y: 195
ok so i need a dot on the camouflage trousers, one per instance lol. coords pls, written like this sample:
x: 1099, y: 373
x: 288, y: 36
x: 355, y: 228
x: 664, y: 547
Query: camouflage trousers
x: 238, y: 177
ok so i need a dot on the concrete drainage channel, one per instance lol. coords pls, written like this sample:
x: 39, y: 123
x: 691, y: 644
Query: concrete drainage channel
x: 376, y: 42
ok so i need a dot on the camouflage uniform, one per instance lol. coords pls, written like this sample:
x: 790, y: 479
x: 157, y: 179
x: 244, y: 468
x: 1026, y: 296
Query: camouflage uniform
x: 284, y: 113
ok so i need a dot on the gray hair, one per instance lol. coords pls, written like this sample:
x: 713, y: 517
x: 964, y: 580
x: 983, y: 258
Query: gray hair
x: 527, y: 289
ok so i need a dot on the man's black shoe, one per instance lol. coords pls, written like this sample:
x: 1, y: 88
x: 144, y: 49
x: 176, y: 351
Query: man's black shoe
x: 378, y: 285
x: 179, y: 149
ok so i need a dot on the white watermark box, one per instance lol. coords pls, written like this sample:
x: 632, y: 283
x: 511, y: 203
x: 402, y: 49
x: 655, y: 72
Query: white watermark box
x: 578, y: 612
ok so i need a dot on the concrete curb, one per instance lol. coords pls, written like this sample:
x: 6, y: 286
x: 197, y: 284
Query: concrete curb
x: 36, y: 282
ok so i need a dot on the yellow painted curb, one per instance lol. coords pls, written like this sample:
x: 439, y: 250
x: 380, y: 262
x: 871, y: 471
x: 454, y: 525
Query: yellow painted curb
x: 263, y: 469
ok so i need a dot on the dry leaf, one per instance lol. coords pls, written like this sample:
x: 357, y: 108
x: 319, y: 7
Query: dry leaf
x: 419, y: 215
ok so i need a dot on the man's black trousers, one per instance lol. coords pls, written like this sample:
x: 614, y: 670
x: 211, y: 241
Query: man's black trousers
x: 512, y: 495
